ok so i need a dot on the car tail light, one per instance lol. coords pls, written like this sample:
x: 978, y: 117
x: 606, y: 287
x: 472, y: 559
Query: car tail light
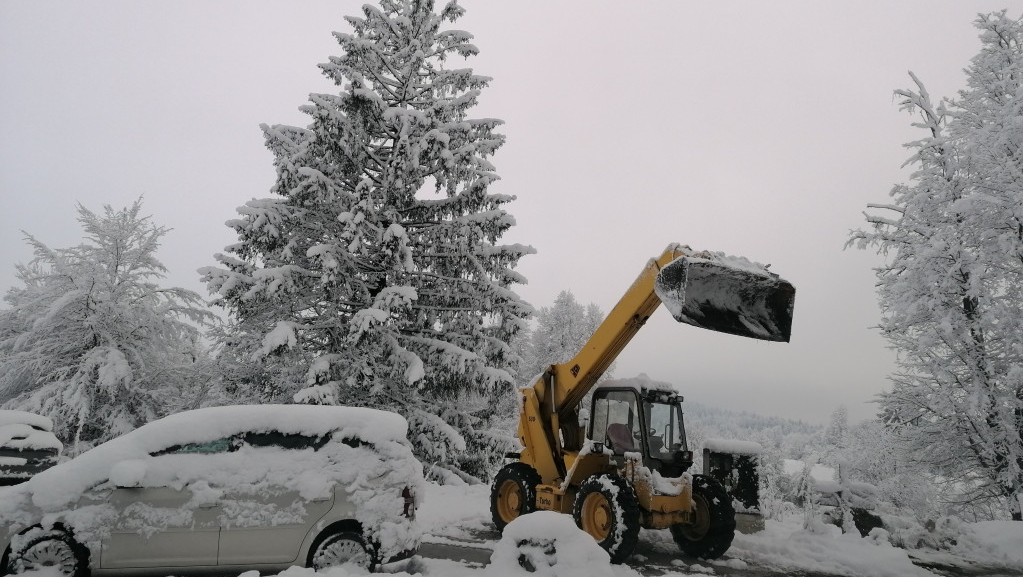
x: 410, y: 503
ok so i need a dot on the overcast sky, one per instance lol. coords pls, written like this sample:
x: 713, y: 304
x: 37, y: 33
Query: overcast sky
x: 755, y: 128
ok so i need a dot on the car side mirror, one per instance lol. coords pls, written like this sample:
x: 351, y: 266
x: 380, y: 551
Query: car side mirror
x: 128, y: 473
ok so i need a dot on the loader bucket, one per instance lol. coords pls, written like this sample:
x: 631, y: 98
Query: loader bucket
x: 727, y: 294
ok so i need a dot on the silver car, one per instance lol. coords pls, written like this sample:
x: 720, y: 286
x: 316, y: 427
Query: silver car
x: 223, y: 489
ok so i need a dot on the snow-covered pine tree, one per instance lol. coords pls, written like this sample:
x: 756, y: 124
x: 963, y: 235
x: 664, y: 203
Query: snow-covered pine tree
x: 560, y: 333
x: 835, y: 435
x: 374, y: 276
x: 951, y: 289
x: 91, y: 340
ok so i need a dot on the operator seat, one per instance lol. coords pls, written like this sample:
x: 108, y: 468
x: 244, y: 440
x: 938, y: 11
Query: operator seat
x: 620, y: 437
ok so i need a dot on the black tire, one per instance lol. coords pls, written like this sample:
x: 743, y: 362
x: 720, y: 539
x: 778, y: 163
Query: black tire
x: 711, y: 534
x: 513, y: 493
x: 336, y: 548
x: 50, y: 549
x: 606, y: 507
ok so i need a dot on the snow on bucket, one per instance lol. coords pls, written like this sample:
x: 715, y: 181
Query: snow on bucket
x: 727, y: 294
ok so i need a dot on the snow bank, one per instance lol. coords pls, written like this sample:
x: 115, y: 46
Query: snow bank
x: 821, y: 474
x: 992, y: 542
x: 785, y: 545
x: 552, y: 545
x: 455, y: 511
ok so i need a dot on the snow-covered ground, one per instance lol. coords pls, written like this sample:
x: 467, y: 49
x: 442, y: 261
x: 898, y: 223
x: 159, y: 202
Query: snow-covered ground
x: 459, y: 515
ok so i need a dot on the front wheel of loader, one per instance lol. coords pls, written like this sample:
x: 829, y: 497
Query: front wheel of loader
x: 513, y: 493
x: 606, y: 507
x: 713, y: 527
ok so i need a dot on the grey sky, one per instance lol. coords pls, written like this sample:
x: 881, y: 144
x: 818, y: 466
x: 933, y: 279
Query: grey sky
x: 753, y: 128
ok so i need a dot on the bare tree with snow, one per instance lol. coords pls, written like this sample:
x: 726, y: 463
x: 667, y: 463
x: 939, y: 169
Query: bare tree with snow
x: 91, y: 341
x: 374, y: 275
x: 951, y: 287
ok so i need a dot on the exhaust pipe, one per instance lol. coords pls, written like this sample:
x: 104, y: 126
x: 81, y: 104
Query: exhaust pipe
x: 727, y: 294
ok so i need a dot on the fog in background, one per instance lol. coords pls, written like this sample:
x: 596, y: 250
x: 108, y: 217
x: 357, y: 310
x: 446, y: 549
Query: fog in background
x: 753, y: 128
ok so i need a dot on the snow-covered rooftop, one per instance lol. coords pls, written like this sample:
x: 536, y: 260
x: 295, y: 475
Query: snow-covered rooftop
x: 640, y: 382
x: 11, y: 417
x: 733, y: 446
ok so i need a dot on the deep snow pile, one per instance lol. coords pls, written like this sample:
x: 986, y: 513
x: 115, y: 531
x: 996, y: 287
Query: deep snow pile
x: 459, y: 513
x: 995, y: 542
x: 548, y: 544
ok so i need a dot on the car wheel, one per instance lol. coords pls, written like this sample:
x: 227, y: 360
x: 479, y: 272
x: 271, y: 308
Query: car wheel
x: 341, y: 548
x: 53, y: 550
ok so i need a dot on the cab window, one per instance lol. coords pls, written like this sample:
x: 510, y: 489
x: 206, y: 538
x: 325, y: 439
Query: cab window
x: 616, y: 421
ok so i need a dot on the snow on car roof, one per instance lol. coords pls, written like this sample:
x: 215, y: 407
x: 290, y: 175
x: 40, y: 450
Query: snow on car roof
x: 23, y: 437
x: 11, y: 417
x: 63, y: 483
x: 211, y: 423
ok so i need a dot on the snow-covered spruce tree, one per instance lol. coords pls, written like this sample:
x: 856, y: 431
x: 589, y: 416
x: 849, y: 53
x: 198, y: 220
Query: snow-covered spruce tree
x: 560, y: 333
x: 951, y: 289
x: 837, y: 432
x: 374, y: 276
x: 91, y: 340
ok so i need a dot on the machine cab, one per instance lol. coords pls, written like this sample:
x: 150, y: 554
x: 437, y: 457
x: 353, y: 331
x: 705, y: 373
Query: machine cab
x: 648, y: 422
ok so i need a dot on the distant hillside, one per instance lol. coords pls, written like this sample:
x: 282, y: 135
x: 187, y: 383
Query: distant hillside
x: 789, y: 437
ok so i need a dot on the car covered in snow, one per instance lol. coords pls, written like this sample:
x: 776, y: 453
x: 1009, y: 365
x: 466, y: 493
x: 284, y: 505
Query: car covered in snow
x: 27, y: 446
x: 223, y: 489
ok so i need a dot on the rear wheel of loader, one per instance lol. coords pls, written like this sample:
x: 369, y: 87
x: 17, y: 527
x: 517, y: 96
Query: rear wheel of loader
x: 713, y: 529
x: 607, y: 509
x: 513, y: 493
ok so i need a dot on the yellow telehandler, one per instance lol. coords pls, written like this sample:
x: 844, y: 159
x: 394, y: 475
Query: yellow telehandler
x: 627, y: 468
